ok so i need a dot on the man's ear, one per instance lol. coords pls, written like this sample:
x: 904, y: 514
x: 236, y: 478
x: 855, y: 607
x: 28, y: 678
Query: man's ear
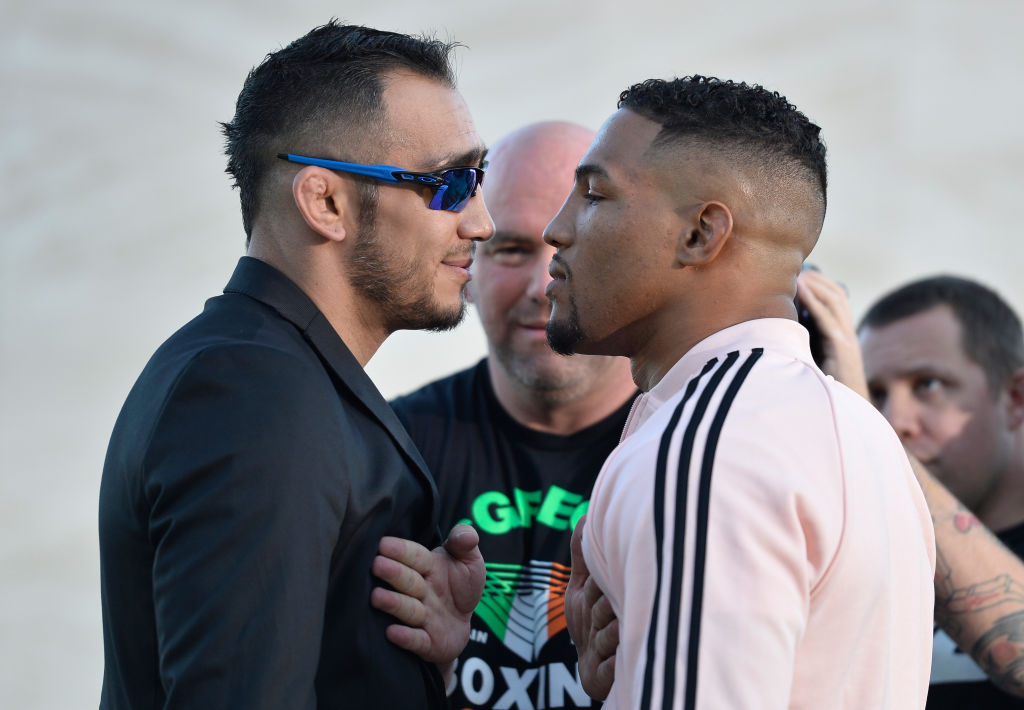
x: 325, y: 201
x: 1015, y: 398
x: 706, y: 236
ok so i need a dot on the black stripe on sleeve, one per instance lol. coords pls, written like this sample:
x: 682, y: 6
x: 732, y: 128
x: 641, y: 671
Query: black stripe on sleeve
x: 659, y: 525
x: 679, y: 538
x: 703, y: 504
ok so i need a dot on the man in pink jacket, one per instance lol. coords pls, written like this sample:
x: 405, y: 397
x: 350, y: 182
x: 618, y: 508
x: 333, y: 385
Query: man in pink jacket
x: 758, y: 531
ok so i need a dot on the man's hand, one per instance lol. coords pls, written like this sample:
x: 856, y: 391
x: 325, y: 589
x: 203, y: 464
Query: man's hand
x: 434, y: 593
x: 591, y: 622
x: 827, y: 302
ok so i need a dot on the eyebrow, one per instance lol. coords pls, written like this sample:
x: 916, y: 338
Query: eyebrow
x: 509, y: 238
x: 920, y: 370
x: 587, y: 169
x: 471, y: 158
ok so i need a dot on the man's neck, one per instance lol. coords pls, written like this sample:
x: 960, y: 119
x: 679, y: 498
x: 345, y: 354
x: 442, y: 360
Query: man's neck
x: 563, y: 412
x: 659, y: 353
x: 330, y: 291
x: 667, y: 336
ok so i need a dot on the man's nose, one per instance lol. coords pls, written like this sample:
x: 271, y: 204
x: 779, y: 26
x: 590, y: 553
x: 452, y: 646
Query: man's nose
x: 539, y: 276
x: 558, y: 232
x: 475, y: 221
x: 904, y: 414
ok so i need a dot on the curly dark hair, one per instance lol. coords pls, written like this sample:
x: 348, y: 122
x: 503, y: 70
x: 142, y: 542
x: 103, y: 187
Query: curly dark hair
x: 761, y: 125
x: 325, y: 85
x: 990, y: 332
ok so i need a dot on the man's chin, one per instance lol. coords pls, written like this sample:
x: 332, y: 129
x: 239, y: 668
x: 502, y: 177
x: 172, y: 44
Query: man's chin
x: 447, y: 319
x: 433, y: 317
x: 543, y: 372
x: 564, y: 337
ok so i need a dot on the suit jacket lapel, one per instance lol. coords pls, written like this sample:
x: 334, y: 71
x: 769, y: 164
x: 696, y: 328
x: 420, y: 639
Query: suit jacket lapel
x: 266, y: 284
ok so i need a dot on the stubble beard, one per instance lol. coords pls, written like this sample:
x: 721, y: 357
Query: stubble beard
x: 398, y: 287
x: 534, y: 371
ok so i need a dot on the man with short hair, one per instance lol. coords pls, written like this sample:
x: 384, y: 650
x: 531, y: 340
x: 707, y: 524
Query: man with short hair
x: 758, y: 532
x: 516, y: 441
x: 254, y: 466
x: 944, y: 361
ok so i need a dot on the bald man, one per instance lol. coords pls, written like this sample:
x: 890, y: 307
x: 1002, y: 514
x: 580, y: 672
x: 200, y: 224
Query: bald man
x: 516, y: 441
x: 758, y: 531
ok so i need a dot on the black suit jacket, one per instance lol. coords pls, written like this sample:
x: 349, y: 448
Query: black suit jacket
x: 250, y: 475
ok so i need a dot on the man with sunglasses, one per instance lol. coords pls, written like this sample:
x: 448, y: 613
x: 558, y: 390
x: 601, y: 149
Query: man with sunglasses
x: 255, y: 467
x: 758, y: 531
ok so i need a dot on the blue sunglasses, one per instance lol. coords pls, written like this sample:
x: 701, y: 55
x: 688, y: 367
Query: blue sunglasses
x: 452, y: 187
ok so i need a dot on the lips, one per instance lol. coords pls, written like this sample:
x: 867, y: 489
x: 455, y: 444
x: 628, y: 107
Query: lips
x: 459, y: 262
x: 552, y: 287
x: 559, y: 272
x: 535, y: 325
x: 557, y: 269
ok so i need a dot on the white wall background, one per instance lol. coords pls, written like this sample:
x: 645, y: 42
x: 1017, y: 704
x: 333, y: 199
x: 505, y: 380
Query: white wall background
x: 116, y: 220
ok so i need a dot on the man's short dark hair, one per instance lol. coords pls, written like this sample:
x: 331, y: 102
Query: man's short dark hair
x: 990, y: 332
x: 323, y: 90
x: 760, y: 124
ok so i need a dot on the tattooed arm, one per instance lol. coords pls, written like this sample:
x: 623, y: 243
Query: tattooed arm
x: 979, y: 587
x: 979, y: 583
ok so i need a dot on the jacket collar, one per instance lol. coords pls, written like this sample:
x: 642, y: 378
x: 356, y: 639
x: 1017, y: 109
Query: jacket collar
x: 262, y: 282
x: 779, y: 335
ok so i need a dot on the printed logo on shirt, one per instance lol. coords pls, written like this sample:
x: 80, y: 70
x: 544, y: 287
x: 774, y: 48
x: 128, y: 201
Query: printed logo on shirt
x: 553, y: 685
x: 524, y: 605
x: 497, y: 513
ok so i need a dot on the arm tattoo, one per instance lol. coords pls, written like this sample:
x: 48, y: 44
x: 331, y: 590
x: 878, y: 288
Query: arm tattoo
x: 951, y: 601
x: 944, y: 591
x: 964, y: 521
x: 1000, y: 653
x: 991, y: 651
x: 984, y: 595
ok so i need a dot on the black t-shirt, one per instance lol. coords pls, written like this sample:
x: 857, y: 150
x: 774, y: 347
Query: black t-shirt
x: 957, y: 683
x: 523, y: 490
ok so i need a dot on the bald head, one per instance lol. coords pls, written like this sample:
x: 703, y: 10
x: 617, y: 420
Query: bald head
x: 531, y: 169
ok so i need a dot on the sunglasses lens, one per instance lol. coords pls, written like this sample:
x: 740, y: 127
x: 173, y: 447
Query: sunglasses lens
x: 459, y: 185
